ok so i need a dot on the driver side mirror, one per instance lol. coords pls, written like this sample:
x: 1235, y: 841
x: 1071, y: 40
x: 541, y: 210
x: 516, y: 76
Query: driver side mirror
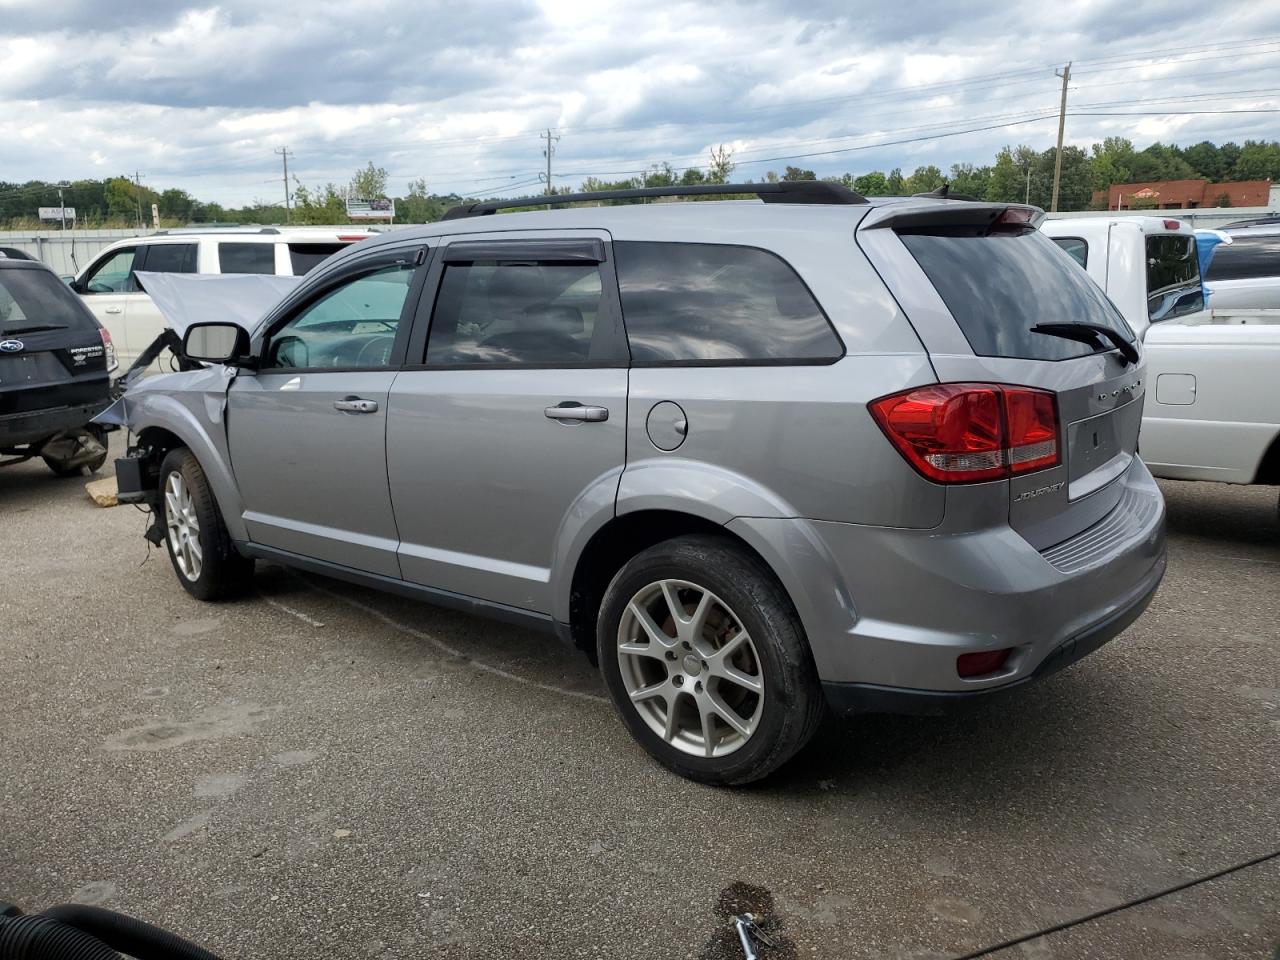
x: 217, y: 343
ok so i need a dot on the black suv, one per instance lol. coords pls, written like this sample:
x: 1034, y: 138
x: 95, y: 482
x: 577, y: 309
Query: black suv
x: 55, y: 366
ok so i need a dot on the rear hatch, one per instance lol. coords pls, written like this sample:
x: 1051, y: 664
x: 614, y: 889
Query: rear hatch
x: 52, y: 351
x: 974, y: 279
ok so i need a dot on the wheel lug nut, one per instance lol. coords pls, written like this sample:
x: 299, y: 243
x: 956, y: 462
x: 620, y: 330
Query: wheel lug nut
x: 678, y: 680
x: 698, y: 687
x: 671, y: 655
x: 686, y: 645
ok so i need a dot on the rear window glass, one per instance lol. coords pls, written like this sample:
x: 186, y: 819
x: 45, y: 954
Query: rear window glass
x: 998, y: 285
x: 170, y: 258
x: 36, y: 298
x: 1173, y: 277
x: 709, y: 303
x: 305, y: 257
x: 246, y: 257
x: 1245, y: 258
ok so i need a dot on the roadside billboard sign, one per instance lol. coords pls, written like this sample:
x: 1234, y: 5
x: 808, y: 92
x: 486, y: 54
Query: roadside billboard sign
x: 378, y: 209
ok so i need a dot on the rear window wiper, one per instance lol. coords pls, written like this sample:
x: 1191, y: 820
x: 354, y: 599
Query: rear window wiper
x: 37, y: 328
x: 1090, y: 333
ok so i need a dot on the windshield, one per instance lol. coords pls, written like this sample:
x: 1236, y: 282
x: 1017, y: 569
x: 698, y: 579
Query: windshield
x: 1000, y: 284
x: 37, y: 298
x: 1173, y: 277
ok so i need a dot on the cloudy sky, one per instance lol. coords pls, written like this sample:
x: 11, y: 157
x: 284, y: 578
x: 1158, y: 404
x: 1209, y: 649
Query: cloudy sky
x: 199, y: 94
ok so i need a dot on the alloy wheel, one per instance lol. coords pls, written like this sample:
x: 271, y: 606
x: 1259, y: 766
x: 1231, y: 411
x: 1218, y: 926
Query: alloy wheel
x: 690, y: 668
x: 184, y: 526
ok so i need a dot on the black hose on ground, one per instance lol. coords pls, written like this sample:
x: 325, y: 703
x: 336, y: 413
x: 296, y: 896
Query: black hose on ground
x: 126, y: 935
x: 39, y: 938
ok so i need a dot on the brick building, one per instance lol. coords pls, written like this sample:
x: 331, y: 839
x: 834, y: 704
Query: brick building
x: 1184, y: 194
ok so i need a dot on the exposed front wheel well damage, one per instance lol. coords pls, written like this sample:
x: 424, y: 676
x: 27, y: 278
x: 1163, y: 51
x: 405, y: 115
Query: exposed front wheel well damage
x: 612, y: 546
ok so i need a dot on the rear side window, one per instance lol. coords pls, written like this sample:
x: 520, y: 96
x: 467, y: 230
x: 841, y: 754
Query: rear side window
x: 36, y: 298
x: 513, y: 313
x: 999, y: 284
x: 1074, y: 247
x: 1245, y: 258
x: 713, y: 303
x: 170, y: 258
x: 1173, y: 277
x: 246, y: 257
x: 305, y: 257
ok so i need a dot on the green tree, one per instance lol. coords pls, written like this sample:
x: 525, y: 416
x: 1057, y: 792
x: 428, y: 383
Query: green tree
x: 1160, y: 162
x: 924, y: 180
x: 1006, y: 183
x: 692, y: 176
x: 871, y: 184
x: 1112, y: 162
x: 176, y: 204
x: 660, y: 175
x: 1258, y: 160
x: 795, y: 173
x: 894, y: 184
x: 970, y: 181
x: 369, y: 183
x: 721, y: 165
x: 121, y: 196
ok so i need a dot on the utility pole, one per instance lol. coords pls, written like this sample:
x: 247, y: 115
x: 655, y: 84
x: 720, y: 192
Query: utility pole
x: 284, y: 158
x: 549, y: 152
x: 62, y: 208
x: 1027, y: 198
x: 1065, y: 74
x: 137, y: 194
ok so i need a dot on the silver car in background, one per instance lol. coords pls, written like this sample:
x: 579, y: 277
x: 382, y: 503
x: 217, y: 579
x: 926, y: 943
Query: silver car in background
x: 755, y: 458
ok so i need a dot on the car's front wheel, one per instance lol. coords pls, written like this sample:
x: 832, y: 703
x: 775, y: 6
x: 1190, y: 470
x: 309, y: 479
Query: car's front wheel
x: 200, y: 549
x: 707, y: 662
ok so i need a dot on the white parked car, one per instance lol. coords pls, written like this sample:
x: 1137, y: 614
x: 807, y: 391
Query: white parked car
x: 1245, y: 274
x: 1212, y: 392
x: 110, y: 287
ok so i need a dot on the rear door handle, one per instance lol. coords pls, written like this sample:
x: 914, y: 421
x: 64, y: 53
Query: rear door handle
x: 572, y: 410
x: 113, y: 310
x: 356, y: 405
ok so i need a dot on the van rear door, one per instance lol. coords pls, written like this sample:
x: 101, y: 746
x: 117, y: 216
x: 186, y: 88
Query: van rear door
x: 975, y: 279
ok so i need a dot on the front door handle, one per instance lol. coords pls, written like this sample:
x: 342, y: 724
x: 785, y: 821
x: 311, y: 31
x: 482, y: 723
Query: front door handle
x: 572, y: 410
x: 356, y: 405
x: 113, y: 310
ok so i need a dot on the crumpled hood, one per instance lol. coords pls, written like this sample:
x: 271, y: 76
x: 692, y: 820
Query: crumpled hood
x: 240, y: 298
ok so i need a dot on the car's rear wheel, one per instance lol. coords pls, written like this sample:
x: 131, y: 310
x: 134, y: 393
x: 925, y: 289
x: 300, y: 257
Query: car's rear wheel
x: 200, y: 549
x: 707, y: 662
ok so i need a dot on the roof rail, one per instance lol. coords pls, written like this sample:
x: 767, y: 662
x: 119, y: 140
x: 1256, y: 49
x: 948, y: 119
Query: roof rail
x: 182, y: 231
x: 784, y: 191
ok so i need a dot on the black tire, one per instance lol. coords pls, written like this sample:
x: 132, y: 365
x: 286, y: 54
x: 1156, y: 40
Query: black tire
x: 82, y: 470
x: 793, y: 705
x: 222, y: 572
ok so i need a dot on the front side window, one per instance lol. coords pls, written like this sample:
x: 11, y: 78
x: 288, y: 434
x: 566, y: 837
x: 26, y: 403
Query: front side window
x: 716, y: 303
x: 246, y: 257
x: 496, y: 312
x: 1245, y: 258
x: 170, y: 258
x: 353, y: 326
x: 112, y: 275
x: 1173, y: 277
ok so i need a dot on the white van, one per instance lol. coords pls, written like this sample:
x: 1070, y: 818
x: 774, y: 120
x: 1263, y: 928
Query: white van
x: 110, y: 287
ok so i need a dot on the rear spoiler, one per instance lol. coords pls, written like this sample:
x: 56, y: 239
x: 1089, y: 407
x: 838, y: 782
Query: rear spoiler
x: 948, y: 213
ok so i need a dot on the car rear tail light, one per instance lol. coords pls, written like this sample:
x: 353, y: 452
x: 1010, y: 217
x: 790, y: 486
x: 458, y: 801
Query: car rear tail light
x: 109, y: 350
x: 971, y: 432
x: 1014, y: 217
x: 1173, y: 224
x: 348, y: 238
x: 980, y: 664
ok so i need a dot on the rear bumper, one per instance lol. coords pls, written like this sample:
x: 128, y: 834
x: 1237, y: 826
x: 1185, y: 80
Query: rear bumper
x: 846, y: 699
x: 34, y: 426
x: 888, y: 610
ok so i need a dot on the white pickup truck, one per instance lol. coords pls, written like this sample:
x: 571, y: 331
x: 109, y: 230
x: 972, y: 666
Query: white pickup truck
x: 1213, y: 376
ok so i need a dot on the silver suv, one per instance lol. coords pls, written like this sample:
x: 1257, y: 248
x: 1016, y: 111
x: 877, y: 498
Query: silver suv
x: 755, y: 458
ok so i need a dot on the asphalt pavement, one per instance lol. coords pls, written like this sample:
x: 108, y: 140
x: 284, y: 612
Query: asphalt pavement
x: 323, y: 771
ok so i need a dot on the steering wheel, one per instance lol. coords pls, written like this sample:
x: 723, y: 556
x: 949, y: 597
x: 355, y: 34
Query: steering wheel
x: 368, y: 345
